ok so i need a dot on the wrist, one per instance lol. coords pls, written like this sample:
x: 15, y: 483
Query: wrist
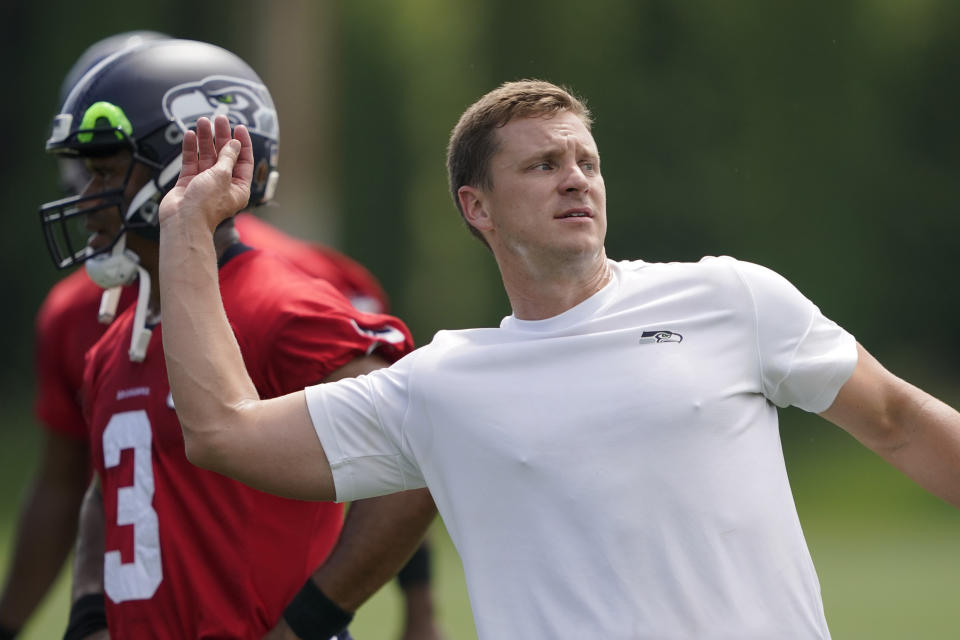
x: 186, y: 223
x: 311, y: 615
x: 88, y: 614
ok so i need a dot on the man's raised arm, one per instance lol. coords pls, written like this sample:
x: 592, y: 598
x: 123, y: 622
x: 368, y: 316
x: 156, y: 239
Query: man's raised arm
x: 267, y: 444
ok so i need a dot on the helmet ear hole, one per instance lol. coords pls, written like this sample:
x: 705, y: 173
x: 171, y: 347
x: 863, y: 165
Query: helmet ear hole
x: 148, y: 211
x: 260, y: 174
x: 173, y: 134
x: 271, y: 187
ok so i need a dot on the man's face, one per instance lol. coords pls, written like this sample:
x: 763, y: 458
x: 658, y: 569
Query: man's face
x: 108, y: 173
x: 547, y: 197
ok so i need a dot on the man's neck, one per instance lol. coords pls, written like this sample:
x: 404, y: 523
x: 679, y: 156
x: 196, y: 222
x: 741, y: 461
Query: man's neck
x: 550, y: 292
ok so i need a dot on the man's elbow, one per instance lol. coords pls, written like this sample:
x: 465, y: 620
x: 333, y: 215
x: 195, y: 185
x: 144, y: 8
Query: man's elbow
x: 876, y: 408
x: 888, y: 438
x: 209, y: 436
x: 204, y: 449
x: 198, y: 451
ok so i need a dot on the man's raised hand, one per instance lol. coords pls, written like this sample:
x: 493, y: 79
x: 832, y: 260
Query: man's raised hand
x: 214, y: 181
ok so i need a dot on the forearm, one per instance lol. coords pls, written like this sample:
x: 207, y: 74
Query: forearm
x: 88, y: 618
x: 46, y: 529
x: 210, y: 385
x: 416, y: 581
x: 906, y: 426
x: 88, y: 555
x: 45, y: 534
x: 378, y: 537
x: 270, y: 445
x: 928, y: 447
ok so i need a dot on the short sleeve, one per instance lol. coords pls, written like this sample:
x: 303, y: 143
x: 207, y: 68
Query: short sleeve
x: 360, y: 424
x: 310, y: 341
x: 804, y: 356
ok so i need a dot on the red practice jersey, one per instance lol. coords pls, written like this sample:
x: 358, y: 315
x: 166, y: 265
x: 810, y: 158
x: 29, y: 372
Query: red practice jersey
x: 191, y: 553
x: 67, y: 325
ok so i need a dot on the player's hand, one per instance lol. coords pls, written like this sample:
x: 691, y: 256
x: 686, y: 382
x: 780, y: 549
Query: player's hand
x: 214, y: 181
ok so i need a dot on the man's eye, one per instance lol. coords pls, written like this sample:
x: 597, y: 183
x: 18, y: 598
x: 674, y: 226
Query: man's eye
x: 543, y: 166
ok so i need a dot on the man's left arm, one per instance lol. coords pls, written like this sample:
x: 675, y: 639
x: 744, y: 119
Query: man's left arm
x: 906, y: 426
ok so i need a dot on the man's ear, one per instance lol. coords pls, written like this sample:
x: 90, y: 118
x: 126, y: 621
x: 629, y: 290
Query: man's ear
x: 473, y: 204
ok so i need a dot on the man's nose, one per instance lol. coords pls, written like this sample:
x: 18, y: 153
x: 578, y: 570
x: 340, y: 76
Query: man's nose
x: 90, y: 187
x: 575, y: 179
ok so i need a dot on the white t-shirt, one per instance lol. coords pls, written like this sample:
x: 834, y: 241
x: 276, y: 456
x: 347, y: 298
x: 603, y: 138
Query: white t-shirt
x: 614, y: 471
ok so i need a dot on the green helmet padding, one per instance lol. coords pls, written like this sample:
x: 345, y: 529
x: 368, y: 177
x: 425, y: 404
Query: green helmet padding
x: 111, y: 113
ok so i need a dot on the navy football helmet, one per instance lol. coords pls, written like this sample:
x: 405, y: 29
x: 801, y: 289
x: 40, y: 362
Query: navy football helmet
x: 73, y: 174
x: 143, y: 98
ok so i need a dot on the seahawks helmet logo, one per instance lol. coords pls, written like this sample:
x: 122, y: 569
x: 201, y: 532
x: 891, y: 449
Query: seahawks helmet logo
x: 660, y: 335
x: 242, y: 101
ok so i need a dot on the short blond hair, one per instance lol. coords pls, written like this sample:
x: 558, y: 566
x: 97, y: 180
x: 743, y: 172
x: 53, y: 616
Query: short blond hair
x: 473, y: 141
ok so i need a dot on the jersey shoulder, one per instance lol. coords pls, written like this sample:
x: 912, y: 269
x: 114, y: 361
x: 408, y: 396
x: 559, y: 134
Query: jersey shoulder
x: 75, y: 296
x: 724, y: 276
x: 264, y: 281
x: 345, y: 274
x: 70, y: 308
x: 294, y: 330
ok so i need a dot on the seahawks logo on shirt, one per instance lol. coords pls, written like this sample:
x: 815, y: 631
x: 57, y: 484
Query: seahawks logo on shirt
x: 660, y: 335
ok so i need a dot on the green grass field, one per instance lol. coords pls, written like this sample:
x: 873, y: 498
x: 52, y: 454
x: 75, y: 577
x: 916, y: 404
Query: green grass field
x: 887, y: 553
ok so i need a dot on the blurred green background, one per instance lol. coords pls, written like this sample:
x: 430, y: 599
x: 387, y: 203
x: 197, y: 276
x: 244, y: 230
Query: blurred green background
x: 817, y: 138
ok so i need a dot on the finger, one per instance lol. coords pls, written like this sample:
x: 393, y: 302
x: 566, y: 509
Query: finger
x: 190, y: 167
x: 206, y: 151
x: 227, y: 159
x: 243, y: 170
x: 240, y: 173
x: 221, y: 131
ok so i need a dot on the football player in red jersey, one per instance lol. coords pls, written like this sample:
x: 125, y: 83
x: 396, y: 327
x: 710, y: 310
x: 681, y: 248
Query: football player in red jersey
x: 66, y: 326
x: 260, y: 571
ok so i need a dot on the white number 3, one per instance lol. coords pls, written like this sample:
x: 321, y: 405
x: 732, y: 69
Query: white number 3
x: 137, y: 580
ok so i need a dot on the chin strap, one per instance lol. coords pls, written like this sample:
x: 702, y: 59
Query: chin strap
x: 140, y: 337
x: 108, y: 305
x: 114, y: 269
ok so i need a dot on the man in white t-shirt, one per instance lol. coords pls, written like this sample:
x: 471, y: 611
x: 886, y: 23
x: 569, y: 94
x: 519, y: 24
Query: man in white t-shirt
x: 607, y: 461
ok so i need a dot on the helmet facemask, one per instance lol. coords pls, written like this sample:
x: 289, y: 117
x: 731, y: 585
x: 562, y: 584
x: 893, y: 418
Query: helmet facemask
x: 63, y: 220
